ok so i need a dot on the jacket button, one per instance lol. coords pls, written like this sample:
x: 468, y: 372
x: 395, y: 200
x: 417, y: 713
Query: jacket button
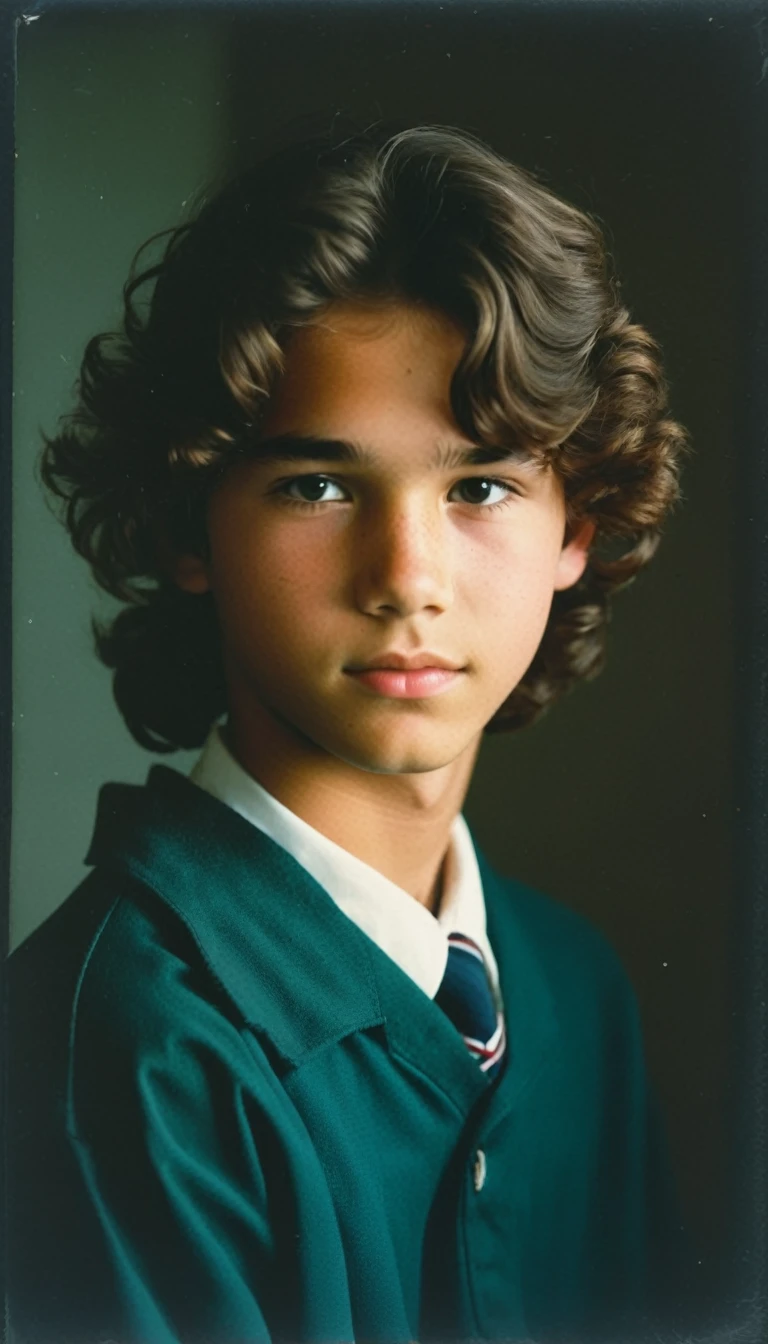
x: 479, y: 1170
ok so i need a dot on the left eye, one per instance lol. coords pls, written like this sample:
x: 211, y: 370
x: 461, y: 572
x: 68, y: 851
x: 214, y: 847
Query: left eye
x: 478, y: 489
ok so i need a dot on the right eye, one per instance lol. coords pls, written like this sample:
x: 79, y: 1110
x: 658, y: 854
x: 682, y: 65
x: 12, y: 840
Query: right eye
x: 311, y: 489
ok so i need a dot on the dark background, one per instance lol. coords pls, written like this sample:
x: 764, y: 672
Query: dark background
x: 631, y: 800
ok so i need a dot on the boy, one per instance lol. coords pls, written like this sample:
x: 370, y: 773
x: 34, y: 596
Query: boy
x: 294, y: 1062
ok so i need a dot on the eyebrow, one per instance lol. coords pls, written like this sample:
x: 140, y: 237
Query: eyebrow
x: 315, y: 448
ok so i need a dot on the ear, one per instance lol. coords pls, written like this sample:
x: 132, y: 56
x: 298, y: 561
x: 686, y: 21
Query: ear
x: 573, y: 558
x: 190, y: 573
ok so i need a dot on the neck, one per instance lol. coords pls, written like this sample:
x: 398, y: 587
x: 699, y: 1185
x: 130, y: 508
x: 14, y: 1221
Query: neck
x: 398, y: 824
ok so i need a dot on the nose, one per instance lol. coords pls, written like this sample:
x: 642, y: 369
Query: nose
x: 402, y: 561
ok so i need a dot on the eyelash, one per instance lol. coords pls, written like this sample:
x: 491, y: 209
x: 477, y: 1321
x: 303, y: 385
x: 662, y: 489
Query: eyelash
x: 281, y: 489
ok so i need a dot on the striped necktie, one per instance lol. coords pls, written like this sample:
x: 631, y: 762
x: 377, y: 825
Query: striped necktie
x: 466, y: 997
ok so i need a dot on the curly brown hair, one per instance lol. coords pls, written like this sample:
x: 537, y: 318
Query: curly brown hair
x: 426, y: 214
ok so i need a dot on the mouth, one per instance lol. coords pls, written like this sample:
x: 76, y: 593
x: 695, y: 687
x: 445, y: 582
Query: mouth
x: 413, y: 683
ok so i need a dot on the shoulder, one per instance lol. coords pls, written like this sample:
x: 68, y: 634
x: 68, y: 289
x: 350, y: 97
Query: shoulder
x: 119, y: 947
x: 555, y: 928
x: 562, y: 933
x: 113, y: 989
x: 145, y: 984
x: 111, y: 931
x: 154, y: 1033
x: 543, y: 941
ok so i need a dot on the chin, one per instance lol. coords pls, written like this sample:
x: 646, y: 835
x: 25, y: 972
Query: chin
x: 387, y: 756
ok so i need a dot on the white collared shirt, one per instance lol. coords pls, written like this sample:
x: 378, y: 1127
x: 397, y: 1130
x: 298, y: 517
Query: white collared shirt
x: 401, y: 926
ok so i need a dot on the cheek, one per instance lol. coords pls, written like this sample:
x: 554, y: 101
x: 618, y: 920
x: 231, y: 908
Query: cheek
x: 512, y: 573
x: 266, y: 579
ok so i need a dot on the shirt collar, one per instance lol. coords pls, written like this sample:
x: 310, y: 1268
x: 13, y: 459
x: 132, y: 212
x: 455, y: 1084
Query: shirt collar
x: 415, y: 939
x: 299, y: 972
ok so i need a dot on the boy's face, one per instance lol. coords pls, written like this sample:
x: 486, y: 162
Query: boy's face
x: 320, y: 566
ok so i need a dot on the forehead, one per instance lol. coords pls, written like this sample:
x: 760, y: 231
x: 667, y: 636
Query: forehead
x: 366, y: 363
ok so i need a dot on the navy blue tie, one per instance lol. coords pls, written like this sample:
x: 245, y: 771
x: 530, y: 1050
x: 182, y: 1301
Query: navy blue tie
x: 466, y: 997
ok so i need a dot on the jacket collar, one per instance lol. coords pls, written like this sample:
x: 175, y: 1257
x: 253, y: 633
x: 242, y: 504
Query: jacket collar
x: 296, y: 968
x: 293, y: 965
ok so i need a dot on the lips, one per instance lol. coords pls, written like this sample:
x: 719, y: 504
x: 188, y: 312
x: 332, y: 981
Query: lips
x: 414, y: 683
x: 401, y: 662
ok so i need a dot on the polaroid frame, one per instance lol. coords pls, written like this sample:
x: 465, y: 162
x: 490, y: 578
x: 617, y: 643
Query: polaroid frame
x: 748, y: 22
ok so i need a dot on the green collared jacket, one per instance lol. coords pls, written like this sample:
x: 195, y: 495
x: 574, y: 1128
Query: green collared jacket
x: 232, y: 1118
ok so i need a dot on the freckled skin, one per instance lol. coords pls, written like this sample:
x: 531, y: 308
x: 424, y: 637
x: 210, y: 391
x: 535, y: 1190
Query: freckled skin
x: 397, y: 555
